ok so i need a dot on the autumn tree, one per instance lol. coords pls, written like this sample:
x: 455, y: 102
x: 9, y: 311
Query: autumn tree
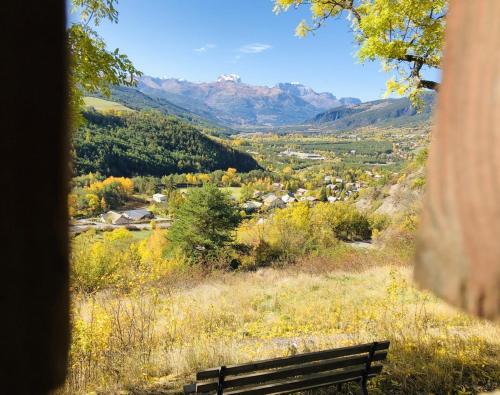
x: 229, y: 177
x: 94, y: 68
x: 406, y: 35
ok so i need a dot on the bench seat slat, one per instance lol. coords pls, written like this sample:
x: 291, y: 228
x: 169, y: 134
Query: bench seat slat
x: 293, y: 360
x: 291, y: 372
x: 311, y: 387
x: 317, y: 380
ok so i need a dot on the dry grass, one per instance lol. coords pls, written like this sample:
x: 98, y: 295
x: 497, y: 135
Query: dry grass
x: 105, y: 105
x: 159, y: 339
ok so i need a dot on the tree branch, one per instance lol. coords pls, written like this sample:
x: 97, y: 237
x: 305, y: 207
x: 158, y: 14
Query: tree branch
x: 429, y: 85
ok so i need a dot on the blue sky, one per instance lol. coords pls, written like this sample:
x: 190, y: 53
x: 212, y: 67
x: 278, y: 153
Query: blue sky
x: 199, y: 40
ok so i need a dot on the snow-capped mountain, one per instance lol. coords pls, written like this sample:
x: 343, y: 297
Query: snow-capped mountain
x: 234, y: 102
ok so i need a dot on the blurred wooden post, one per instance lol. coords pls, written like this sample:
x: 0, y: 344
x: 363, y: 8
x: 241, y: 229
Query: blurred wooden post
x: 34, y: 295
x: 458, y: 255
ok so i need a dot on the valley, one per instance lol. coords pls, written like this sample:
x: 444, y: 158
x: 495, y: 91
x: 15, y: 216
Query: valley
x: 202, y: 237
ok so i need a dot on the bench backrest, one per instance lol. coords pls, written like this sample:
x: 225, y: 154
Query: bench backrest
x: 297, y: 372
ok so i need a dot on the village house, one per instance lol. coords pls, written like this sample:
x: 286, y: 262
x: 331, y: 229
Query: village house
x: 277, y: 203
x: 269, y: 198
x: 301, y: 192
x: 114, y: 218
x: 288, y: 198
x: 257, y: 194
x: 138, y: 215
x: 332, y: 199
x: 159, y: 198
x: 251, y: 206
x: 302, y: 155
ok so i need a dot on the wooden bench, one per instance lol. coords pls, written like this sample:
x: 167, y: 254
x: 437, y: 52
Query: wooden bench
x: 296, y: 373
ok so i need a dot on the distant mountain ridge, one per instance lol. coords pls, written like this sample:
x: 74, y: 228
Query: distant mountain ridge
x: 137, y: 100
x: 384, y: 112
x: 232, y: 102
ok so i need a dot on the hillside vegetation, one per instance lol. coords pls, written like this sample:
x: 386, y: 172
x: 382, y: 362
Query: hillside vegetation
x: 386, y: 112
x: 149, y: 143
x: 132, y: 98
x: 104, y: 106
x: 150, y: 310
x: 135, y: 335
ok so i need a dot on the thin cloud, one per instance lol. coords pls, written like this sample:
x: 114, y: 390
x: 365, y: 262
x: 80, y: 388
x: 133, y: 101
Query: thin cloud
x: 205, y: 48
x: 255, y: 48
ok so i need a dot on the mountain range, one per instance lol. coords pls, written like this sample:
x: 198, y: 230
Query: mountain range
x: 385, y: 112
x: 231, y: 102
x: 226, y: 104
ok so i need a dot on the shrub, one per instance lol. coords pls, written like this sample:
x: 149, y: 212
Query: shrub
x: 116, y: 259
x: 98, y: 261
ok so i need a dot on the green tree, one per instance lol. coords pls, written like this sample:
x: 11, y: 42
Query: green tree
x: 93, y: 67
x: 322, y: 194
x: 204, y: 222
x: 406, y: 35
x: 246, y: 192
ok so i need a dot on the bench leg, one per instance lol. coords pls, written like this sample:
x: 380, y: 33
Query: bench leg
x: 339, y: 387
x: 364, y: 388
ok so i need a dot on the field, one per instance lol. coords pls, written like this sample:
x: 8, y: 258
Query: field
x: 158, y: 339
x: 362, y: 148
x: 102, y: 105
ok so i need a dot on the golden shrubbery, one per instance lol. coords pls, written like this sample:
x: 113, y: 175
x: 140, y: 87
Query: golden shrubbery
x: 143, y: 319
x: 99, y: 196
x: 133, y: 340
x: 302, y: 229
x: 117, y: 260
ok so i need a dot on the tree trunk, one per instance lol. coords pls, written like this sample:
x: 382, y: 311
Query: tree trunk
x: 458, y: 255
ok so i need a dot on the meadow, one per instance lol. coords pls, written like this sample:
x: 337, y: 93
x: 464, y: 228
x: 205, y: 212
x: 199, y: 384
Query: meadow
x: 104, y: 106
x: 155, y: 336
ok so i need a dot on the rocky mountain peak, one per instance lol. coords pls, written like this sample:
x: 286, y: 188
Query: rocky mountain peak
x: 229, y: 78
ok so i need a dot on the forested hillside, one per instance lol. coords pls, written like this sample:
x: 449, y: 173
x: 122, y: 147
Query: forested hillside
x: 385, y: 112
x: 137, y: 100
x: 149, y: 143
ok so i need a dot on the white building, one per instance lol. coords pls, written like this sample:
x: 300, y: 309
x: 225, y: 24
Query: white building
x: 159, y: 198
x: 288, y: 199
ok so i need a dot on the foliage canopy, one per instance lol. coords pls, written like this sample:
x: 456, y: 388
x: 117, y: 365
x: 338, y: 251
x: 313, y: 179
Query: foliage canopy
x: 406, y: 35
x: 94, y: 68
x: 149, y: 143
x: 204, y: 222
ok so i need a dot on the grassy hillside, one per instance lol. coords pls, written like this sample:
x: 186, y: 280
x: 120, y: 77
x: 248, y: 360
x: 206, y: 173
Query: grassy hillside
x: 137, y: 100
x: 387, y: 112
x: 159, y: 338
x: 149, y: 144
x: 104, y: 106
